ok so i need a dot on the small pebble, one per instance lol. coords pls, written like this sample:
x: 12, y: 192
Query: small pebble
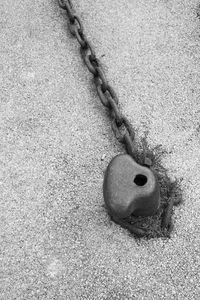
x: 103, y: 156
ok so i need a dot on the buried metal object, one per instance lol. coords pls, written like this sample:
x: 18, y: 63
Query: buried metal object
x: 130, y: 188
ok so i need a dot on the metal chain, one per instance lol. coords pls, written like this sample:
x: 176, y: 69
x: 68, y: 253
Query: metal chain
x: 120, y: 124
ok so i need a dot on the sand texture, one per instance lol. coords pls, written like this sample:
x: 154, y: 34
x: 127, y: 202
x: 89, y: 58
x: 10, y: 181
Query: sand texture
x: 57, y: 240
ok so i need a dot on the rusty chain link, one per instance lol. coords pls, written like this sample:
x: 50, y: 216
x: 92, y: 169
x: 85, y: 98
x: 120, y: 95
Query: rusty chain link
x: 120, y: 124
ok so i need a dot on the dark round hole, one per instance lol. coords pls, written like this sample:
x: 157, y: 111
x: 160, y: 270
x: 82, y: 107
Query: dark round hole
x: 140, y: 179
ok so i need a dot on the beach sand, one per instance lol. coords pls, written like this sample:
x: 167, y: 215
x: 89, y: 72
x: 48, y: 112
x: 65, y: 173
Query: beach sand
x: 57, y: 240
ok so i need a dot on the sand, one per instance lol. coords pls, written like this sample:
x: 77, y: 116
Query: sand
x: 57, y: 240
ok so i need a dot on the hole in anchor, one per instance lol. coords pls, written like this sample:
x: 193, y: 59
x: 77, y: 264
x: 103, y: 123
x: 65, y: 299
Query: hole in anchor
x: 140, y: 180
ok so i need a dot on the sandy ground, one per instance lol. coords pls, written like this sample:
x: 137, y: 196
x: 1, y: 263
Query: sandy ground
x: 57, y: 241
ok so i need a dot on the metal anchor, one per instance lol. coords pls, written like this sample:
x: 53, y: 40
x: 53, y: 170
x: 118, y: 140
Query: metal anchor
x: 130, y: 189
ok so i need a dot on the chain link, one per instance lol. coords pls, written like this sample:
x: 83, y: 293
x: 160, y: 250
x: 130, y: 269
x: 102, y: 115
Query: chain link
x: 120, y: 124
x: 61, y: 3
x: 90, y: 59
x: 67, y: 5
